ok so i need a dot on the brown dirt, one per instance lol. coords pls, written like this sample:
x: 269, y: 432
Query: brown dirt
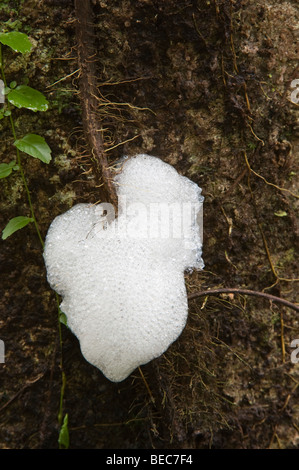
x: 203, y: 85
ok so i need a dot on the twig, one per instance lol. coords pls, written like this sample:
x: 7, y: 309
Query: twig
x: 266, y: 181
x: 89, y: 92
x: 146, y: 385
x: 232, y: 290
x: 27, y: 385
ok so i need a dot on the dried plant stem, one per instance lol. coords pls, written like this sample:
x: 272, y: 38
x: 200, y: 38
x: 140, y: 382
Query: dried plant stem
x: 241, y: 291
x: 89, y: 94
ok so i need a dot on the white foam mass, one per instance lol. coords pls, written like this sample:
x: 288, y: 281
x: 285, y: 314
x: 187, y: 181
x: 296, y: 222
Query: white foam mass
x: 122, y: 282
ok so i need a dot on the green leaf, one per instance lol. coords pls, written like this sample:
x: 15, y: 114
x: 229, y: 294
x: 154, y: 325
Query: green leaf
x: 36, y: 146
x: 281, y: 213
x: 15, y: 224
x: 6, y: 169
x: 64, y: 438
x: 19, y: 42
x: 24, y: 96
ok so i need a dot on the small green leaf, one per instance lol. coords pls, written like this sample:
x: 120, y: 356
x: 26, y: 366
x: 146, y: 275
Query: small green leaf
x: 281, y: 213
x: 24, y: 96
x: 6, y: 169
x: 15, y: 224
x: 19, y: 42
x: 13, y: 84
x: 36, y: 146
x: 64, y: 438
x: 62, y: 318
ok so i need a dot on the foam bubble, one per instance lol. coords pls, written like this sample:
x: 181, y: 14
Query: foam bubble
x: 122, y: 282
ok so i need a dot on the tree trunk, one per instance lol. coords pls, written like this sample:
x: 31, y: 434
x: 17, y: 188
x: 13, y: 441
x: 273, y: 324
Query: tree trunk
x: 209, y: 87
